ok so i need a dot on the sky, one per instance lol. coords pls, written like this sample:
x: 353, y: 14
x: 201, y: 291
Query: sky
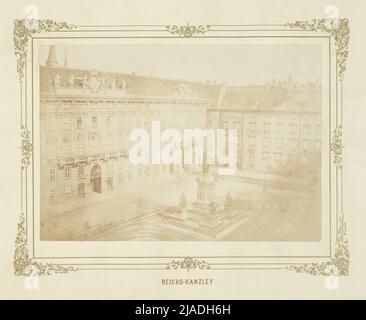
x: 234, y: 64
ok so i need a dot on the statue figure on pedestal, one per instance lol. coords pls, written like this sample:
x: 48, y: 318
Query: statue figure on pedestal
x: 124, y: 84
x: 94, y: 84
x: 71, y: 81
x: 85, y: 82
x: 113, y: 84
x: 57, y: 80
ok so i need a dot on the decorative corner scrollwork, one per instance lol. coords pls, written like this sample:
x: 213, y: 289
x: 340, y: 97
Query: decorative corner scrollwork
x: 338, y: 265
x: 336, y: 147
x: 24, y: 29
x: 24, y: 265
x: 188, y: 264
x: 188, y: 31
x: 338, y: 28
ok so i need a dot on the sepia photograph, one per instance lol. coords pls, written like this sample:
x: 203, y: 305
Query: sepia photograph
x: 180, y: 142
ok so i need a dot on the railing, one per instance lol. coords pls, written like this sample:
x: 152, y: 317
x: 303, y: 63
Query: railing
x: 96, y: 156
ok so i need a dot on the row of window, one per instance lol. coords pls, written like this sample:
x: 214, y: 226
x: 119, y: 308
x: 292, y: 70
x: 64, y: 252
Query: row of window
x: 80, y: 149
x: 280, y: 127
x: 278, y: 156
x: 141, y: 172
x: 280, y: 142
x: 67, y: 192
x: 81, y: 170
x: 80, y: 121
x: 67, y: 172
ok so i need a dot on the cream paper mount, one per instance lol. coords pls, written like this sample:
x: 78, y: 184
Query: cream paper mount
x: 25, y: 29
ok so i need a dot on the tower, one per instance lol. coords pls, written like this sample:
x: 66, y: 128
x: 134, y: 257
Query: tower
x: 51, y: 60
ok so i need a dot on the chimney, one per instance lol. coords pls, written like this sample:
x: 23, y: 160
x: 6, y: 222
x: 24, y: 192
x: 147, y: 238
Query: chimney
x: 51, y: 60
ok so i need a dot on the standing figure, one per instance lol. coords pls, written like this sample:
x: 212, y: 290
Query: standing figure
x: 228, y: 201
x: 71, y: 81
x: 183, y: 201
x: 85, y: 82
x: 57, y: 80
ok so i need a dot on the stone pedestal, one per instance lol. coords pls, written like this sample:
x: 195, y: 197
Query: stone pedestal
x: 205, y: 191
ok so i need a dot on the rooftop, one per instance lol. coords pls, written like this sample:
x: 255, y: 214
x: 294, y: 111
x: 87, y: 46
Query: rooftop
x: 289, y: 95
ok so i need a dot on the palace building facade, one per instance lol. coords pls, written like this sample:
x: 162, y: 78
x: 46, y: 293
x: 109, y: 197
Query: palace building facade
x: 278, y: 125
x: 87, y: 115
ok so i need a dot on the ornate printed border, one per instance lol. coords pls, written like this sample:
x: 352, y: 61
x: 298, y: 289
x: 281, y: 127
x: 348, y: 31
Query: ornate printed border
x: 24, y: 29
x: 24, y: 265
x: 188, y: 31
x: 338, y: 265
x: 188, y: 264
x: 338, y: 29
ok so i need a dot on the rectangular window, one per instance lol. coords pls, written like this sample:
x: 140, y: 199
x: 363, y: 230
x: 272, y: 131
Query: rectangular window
x: 80, y: 171
x: 279, y: 127
x: 305, y: 144
x: 94, y: 122
x: 66, y: 124
x: 237, y: 126
x: 305, y: 128
x: 318, y: 129
x: 266, y: 142
x: 109, y: 121
x: 79, y: 122
x: 94, y: 147
x: 278, y: 156
x: 52, y: 174
x: 293, y: 143
x: 265, y: 155
x: 293, y: 128
x: 51, y: 152
x: 279, y: 142
x: 67, y: 191
x: 67, y: 150
x: 252, y: 126
x: 266, y: 127
x: 52, y: 193
x: 67, y: 172
x: 50, y: 124
x: 252, y: 141
x: 80, y: 149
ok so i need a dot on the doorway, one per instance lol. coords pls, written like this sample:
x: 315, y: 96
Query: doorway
x: 96, y: 178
